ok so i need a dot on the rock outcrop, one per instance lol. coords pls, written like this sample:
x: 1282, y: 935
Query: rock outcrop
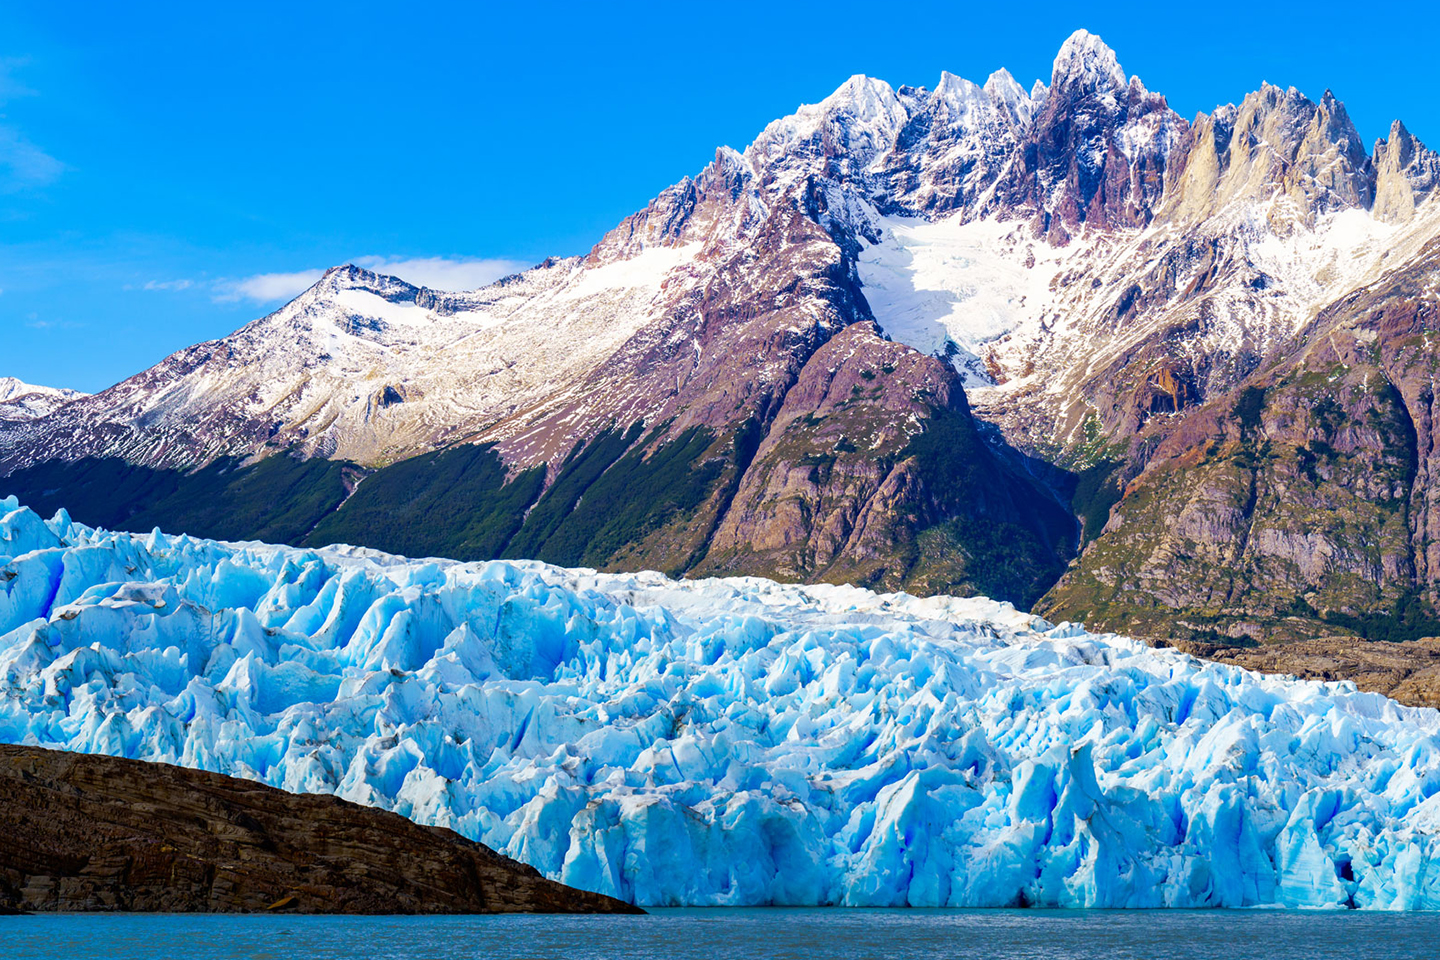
x: 87, y: 832
x: 1406, y: 173
x: 1407, y: 672
x: 1302, y: 502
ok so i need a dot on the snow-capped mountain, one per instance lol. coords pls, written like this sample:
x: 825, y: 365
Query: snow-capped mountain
x: 25, y: 401
x: 790, y: 343
x: 1042, y: 238
x: 368, y: 368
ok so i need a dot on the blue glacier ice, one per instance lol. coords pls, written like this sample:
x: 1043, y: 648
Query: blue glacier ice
x: 722, y: 741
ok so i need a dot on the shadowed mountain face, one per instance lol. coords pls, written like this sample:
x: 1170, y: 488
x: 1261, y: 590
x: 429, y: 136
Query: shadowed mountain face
x: 86, y: 832
x: 1302, y: 504
x: 911, y: 338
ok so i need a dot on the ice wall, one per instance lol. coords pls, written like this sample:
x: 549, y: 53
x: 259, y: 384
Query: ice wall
x: 722, y: 741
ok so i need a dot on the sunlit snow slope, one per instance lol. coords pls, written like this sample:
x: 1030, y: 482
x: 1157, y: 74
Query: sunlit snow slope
x: 722, y: 741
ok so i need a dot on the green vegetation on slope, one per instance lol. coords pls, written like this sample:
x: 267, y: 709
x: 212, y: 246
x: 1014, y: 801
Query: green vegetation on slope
x: 277, y: 500
x: 1002, y: 535
x: 609, y: 495
x: 1097, y: 489
x: 451, y: 503
x: 577, y: 472
x: 640, y: 492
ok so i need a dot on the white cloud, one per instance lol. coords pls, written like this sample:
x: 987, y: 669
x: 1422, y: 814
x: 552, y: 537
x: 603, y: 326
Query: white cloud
x: 267, y: 287
x: 441, y: 273
x: 169, y: 284
x: 437, y: 273
x: 22, y: 164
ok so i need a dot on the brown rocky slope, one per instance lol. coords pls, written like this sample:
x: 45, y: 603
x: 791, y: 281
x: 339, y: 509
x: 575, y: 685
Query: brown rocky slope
x: 1407, y: 672
x: 85, y: 832
x: 1300, y: 503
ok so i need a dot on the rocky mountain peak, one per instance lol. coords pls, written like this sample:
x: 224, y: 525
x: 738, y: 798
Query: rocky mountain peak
x: 1096, y: 153
x: 13, y: 387
x: 862, y: 97
x: 21, y: 401
x: 1001, y: 85
x: 1406, y: 174
x: 1086, y: 63
x: 1277, y: 146
x: 965, y: 106
x: 845, y: 131
x: 1011, y: 98
x: 954, y: 89
x: 348, y: 276
x: 1335, y: 168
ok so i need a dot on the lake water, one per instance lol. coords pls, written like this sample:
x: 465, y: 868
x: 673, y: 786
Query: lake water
x: 788, y: 934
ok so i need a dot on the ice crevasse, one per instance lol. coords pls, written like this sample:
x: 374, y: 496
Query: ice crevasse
x: 722, y: 741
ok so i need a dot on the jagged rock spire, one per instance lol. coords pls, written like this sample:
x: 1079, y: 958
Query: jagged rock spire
x: 1406, y: 173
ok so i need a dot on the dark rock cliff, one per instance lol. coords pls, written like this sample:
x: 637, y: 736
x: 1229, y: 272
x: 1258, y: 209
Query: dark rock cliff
x: 83, y: 832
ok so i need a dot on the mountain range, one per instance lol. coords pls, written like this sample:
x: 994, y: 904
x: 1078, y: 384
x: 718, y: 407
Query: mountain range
x: 1059, y: 346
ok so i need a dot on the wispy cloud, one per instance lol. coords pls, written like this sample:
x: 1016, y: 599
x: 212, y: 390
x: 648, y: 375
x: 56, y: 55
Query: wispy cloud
x: 266, y: 287
x: 35, y: 322
x: 23, y: 165
x: 169, y: 284
x: 438, y: 273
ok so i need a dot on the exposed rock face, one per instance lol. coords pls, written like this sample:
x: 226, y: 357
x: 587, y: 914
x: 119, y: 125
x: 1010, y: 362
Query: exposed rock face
x: 1097, y: 151
x: 85, y: 832
x: 956, y: 142
x: 874, y: 472
x: 1407, y: 672
x: 1406, y: 172
x: 1304, y: 501
x: 1276, y: 143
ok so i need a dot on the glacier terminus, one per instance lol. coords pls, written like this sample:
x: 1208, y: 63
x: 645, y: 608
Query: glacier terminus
x: 725, y: 741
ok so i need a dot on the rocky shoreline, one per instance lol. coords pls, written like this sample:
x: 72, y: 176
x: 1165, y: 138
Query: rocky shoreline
x: 81, y: 832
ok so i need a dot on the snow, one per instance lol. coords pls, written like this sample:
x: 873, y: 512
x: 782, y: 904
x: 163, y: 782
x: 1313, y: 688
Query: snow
x: 311, y: 371
x: 1341, y: 252
x: 12, y: 388
x: 645, y: 271
x: 1003, y: 90
x: 26, y: 401
x: 1086, y: 60
x: 863, y: 116
x: 722, y: 741
x: 933, y: 282
x: 358, y: 302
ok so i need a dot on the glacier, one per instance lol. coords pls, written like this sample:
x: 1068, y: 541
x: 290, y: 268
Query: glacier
x: 722, y: 742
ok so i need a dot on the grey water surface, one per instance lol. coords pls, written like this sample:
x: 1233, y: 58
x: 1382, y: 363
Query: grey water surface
x: 748, y: 933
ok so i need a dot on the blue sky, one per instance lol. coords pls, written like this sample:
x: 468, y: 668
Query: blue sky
x: 171, y: 171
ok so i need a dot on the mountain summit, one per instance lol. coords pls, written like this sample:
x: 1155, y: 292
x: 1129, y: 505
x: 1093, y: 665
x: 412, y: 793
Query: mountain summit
x: 1086, y: 63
